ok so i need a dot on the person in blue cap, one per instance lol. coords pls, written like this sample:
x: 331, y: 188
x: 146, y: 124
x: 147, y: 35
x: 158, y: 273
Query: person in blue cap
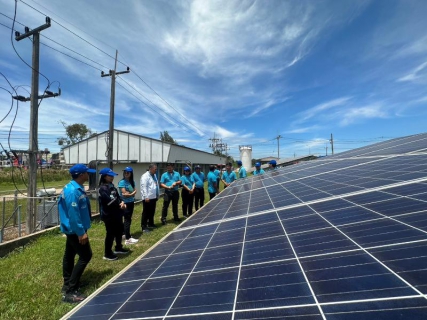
x: 212, y: 186
x: 187, y: 193
x: 258, y: 169
x: 199, y: 191
x: 111, y: 207
x: 74, y: 214
x: 170, y: 181
x: 242, y: 170
x: 272, y: 164
x: 127, y: 193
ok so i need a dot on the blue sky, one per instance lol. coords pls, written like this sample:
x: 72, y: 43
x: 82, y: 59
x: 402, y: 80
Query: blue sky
x: 247, y: 71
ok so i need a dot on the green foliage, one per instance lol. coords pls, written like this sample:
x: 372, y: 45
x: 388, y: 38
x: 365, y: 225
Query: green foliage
x: 166, y: 137
x: 20, y: 175
x: 74, y: 133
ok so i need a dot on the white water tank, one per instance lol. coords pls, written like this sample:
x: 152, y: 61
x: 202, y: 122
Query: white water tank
x: 246, y: 156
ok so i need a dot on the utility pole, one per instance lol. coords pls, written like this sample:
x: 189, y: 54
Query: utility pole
x: 332, y: 144
x: 34, y: 98
x: 112, y: 74
x: 278, y: 146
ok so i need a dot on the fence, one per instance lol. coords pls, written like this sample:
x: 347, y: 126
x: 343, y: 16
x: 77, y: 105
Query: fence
x: 14, y: 214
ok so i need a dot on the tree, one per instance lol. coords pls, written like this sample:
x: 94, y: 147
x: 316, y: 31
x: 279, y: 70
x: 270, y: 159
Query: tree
x: 166, y: 137
x: 74, y: 133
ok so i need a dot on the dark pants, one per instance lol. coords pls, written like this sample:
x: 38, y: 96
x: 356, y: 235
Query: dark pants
x: 71, y: 272
x: 170, y: 195
x: 148, y: 211
x: 128, y: 212
x: 187, y: 202
x: 199, y: 197
x: 212, y: 195
x: 114, y: 228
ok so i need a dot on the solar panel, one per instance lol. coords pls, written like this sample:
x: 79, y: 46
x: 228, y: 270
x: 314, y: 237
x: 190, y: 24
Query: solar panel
x: 339, y: 238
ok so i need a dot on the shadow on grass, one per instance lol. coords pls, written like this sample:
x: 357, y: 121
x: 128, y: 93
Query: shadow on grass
x: 94, y: 279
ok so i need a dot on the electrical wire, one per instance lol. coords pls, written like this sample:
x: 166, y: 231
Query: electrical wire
x: 165, y: 117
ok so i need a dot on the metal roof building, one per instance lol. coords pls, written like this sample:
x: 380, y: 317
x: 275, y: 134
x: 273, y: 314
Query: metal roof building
x: 138, y: 152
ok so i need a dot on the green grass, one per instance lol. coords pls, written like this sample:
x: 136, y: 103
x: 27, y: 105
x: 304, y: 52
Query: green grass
x: 31, y: 278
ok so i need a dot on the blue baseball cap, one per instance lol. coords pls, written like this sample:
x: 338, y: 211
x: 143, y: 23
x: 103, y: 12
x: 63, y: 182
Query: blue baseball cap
x: 257, y: 164
x: 128, y: 169
x: 187, y: 169
x: 197, y: 167
x: 80, y: 168
x: 273, y: 162
x: 108, y: 172
x: 239, y: 162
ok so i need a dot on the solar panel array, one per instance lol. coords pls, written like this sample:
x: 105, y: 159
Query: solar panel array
x: 340, y: 238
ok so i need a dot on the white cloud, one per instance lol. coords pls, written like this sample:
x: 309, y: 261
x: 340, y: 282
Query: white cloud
x: 415, y: 74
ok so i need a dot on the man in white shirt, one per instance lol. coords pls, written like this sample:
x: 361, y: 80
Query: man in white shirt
x: 149, y: 194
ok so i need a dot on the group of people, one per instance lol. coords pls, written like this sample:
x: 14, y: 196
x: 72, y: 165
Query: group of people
x: 117, y: 206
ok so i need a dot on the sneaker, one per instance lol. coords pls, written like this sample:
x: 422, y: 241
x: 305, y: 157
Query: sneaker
x: 131, y: 241
x: 110, y: 257
x: 73, y: 297
x: 121, y: 251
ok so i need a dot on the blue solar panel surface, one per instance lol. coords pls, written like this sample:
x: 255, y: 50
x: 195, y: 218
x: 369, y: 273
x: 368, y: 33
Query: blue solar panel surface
x: 339, y: 238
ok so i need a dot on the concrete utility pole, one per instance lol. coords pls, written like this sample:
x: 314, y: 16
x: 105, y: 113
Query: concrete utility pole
x: 34, y: 98
x: 112, y: 74
x: 332, y: 144
x: 278, y: 146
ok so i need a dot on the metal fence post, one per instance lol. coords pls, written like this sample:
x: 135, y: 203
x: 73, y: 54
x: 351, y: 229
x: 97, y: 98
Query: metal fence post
x: 15, y: 206
x: 19, y: 221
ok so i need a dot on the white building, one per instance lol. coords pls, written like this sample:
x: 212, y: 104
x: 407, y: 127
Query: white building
x: 138, y: 152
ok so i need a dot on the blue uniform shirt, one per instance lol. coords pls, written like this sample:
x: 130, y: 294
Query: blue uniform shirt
x: 169, y: 178
x: 188, y: 181
x: 199, y: 179
x: 74, y: 209
x: 229, y: 177
x: 216, y: 173
x: 260, y: 171
x: 211, y: 182
x: 242, y: 172
x: 126, y: 184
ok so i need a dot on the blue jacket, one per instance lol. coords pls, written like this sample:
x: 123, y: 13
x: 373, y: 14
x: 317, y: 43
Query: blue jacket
x: 74, y: 209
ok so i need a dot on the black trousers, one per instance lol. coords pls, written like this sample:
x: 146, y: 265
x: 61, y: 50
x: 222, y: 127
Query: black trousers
x: 71, y: 272
x: 199, y: 197
x: 212, y: 195
x: 128, y: 212
x: 187, y: 202
x: 114, y: 231
x: 170, y: 195
x: 148, y: 211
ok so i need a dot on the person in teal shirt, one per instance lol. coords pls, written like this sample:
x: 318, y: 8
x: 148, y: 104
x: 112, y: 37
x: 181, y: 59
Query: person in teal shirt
x: 127, y: 192
x: 258, y: 169
x: 228, y: 176
x: 170, y: 181
x: 187, y: 193
x: 212, y: 186
x: 199, y: 191
x: 242, y: 170
x: 272, y: 165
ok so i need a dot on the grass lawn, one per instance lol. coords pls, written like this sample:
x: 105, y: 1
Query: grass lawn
x: 31, y: 278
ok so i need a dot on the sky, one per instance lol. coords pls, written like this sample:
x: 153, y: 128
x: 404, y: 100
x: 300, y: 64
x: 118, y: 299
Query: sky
x: 280, y: 76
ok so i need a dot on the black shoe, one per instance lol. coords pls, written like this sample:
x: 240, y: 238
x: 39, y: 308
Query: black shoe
x: 185, y: 215
x: 121, y: 251
x: 163, y: 222
x: 152, y: 226
x: 177, y: 219
x: 110, y: 257
x: 73, y: 297
x: 146, y: 230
